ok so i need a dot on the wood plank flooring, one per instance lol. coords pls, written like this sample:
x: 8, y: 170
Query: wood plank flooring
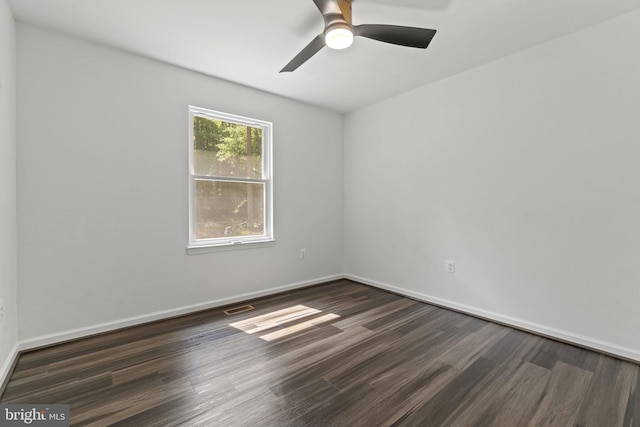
x: 339, y: 354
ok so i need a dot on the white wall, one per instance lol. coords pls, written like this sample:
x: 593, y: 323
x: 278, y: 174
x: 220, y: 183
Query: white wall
x: 102, y: 184
x: 8, y: 249
x: 524, y: 171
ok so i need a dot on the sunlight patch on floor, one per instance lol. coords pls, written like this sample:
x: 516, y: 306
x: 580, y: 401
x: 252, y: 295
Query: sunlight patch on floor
x: 298, y: 327
x: 276, y: 319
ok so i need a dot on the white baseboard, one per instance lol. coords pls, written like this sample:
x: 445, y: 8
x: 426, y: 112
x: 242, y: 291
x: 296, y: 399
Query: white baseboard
x: 6, y: 370
x: 547, y: 331
x: 59, y: 337
x: 558, y: 334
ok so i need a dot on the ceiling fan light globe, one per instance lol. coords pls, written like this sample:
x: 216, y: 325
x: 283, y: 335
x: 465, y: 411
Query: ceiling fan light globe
x: 338, y: 38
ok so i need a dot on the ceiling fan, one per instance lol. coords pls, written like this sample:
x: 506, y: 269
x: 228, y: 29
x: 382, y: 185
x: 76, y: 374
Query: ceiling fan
x: 339, y: 32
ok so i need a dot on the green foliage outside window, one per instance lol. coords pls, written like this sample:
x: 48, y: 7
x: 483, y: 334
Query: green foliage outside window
x: 223, y: 149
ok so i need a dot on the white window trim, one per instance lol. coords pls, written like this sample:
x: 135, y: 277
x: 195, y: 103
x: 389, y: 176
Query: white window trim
x: 237, y: 242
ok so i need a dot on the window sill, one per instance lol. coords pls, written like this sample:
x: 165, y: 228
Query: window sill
x: 223, y: 247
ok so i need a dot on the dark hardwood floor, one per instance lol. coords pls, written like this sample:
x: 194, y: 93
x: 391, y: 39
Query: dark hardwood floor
x: 340, y: 354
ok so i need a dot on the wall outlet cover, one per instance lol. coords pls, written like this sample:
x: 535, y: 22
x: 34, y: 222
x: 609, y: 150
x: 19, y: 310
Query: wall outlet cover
x: 450, y: 266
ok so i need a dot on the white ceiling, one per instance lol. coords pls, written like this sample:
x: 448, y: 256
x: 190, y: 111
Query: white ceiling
x: 249, y: 41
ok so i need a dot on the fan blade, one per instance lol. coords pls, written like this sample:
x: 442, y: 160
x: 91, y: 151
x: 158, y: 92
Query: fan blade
x: 305, y: 54
x: 327, y: 7
x: 403, y: 36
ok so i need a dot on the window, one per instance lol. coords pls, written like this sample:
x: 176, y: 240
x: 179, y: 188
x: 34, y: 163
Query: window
x: 229, y: 179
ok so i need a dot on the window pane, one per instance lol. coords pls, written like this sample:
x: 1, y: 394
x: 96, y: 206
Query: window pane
x: 228, y: 209
x: 226, y: 149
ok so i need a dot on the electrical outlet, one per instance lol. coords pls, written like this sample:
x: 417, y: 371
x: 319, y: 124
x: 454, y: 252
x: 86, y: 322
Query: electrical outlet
x: 302, y: 253
x: 1, y: 309
x: 450, y: 266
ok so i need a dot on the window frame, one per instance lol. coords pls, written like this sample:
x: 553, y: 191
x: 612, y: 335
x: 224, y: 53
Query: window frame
x: 236, y: 242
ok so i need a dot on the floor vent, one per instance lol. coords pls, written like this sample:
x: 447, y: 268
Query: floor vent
x: 237, y: 310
